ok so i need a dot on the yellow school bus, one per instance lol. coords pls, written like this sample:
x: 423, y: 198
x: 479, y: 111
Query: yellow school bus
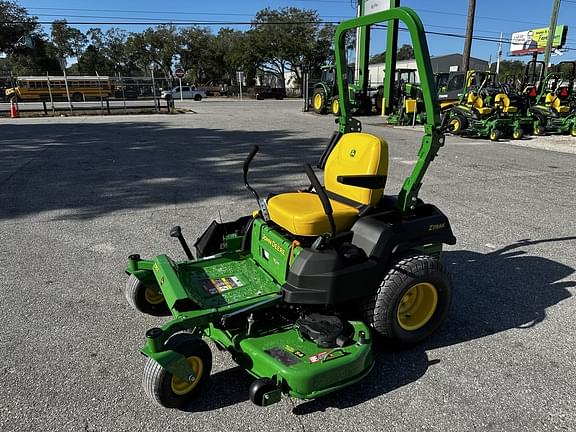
x: 33, y: 88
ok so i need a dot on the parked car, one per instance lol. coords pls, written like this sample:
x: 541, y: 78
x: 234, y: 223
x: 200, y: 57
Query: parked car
x: 271, y: 93
x: 127, y: 92
x: 188, y: 92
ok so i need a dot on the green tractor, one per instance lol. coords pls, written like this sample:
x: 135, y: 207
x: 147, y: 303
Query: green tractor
x: 326, y: 98
x: 487, y: 111
x: 408, y: 102
x: 298, y: 291
x: 554, y: 110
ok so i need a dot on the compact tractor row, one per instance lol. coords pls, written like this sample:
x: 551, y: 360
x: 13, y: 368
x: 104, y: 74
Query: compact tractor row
x: 477, y: 104
x: 485, y: 107
x: 545, y: 105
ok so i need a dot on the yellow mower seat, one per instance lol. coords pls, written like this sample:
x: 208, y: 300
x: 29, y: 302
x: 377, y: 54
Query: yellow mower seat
x: 477, y: 103
x: 301, y: 213
x: 556, y: 103
x: 503, y: 101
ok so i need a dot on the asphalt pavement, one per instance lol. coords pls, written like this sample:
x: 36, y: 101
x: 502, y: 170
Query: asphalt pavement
x: 78, y: 195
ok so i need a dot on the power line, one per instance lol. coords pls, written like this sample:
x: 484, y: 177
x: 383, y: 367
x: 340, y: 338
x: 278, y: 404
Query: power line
x: 419, y: 10
x: 173, y: 20
x: 147, y: 12
x: 151, y: 19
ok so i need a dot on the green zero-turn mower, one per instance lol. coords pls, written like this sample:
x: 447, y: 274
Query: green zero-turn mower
x: 554, y: 110
x: 486, y: 111
x: 298, y: 291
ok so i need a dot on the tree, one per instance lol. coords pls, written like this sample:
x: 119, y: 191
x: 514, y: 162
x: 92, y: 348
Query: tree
x: 286, y: 39
x: 378, y: 58
x: 67, y: 41
x: 154, y: 48
x: 36, y: 60
x: 15, y: 26
x: 510, y: 68
x: 406, y: 52
x: 194, y: 53
x: 108, y: 50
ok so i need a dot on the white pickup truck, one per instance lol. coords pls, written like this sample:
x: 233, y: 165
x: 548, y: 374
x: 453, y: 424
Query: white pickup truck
x: 188, y: 92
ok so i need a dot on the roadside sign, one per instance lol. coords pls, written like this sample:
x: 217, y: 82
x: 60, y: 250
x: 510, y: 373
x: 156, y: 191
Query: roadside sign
x: 534, y: 40
x: 373, y: 6
x: 179, y: 73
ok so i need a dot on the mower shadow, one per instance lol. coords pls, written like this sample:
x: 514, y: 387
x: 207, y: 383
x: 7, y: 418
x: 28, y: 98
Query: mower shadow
x: 85, y: 170
x: 227, y: 388
x: 505, y: 289
x: 493, y: 292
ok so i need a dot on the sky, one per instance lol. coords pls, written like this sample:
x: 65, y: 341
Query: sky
x: 492, y: 17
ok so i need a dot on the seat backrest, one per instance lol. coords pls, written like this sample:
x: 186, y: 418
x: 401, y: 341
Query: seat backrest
x: 550, y: 99
x: 357, y: 154
x: 502, y: 100
x: 478, y: 102
x: 471, y: 98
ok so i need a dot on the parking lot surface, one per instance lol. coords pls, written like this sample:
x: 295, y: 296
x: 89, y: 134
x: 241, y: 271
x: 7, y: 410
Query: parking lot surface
x: 78, y: 195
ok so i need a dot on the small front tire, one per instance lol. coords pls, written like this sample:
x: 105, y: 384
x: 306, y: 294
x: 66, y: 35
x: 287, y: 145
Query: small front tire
x: 335, y: 106
x: 517, y: 134
x: 259, y: 388
x: 171, y: 391
x: 495, y: 135
x: 147, y: 299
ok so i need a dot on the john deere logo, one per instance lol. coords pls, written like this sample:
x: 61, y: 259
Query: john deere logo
x: 352, y: 152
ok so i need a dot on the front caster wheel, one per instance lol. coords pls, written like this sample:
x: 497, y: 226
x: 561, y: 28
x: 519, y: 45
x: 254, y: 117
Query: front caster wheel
x: 411, y: 302
x: 517, y: 134
x: 147, y: 299
x: 259, y: 389
x: 495, y: 135
x: 171, y: 391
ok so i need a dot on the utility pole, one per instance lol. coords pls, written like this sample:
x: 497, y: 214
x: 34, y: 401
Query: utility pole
x: 499, y: 54
x: 551, y: 34
x: 469, y: 33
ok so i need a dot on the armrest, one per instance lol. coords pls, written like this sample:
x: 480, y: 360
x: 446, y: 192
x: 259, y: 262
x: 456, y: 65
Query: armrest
x: 363, y: 181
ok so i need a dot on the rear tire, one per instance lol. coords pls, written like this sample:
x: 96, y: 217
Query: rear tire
x: 170, y: 391
x: 411, y: 302
x: 198, y: 98
x: 319, y: 101
x: 77, y: 97
x: 458, y: 124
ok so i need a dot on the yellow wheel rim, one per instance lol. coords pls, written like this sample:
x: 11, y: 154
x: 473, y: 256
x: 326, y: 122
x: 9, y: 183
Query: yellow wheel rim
x: 180, y: 386
x: 455, y: 123
x: 516, y: 134
x: 417, y: 306
x: 152, y: 296
x: 493, y: 135
x: 318, y: 101
x: 335, y: 106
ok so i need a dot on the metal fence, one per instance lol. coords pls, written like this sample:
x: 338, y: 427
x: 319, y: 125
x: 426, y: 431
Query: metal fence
x: 49, y: 94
